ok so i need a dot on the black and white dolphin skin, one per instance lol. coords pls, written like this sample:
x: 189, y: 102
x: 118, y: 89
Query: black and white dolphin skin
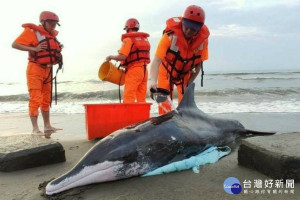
x: 143, y: 147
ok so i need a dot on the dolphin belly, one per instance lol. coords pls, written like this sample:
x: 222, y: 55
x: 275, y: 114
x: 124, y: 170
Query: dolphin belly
x: 101, y: 172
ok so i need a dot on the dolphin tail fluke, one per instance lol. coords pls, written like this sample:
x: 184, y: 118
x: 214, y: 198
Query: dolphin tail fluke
x: 258, y: 133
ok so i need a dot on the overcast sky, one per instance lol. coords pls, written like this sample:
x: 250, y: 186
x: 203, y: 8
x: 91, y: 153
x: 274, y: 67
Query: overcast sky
x: 245, y: 35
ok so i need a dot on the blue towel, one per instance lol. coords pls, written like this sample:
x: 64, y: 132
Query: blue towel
x: 211, y: 155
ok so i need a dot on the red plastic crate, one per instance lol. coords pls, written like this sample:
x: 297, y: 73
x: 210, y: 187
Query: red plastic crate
x: 103, y: 119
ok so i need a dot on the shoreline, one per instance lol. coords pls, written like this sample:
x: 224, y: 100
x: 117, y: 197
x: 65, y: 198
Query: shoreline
x: 208, y: 183
x: 19, y: 123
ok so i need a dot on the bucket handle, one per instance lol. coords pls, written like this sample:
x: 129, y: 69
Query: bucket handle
x: 120, y: 99
x: 119, y: 66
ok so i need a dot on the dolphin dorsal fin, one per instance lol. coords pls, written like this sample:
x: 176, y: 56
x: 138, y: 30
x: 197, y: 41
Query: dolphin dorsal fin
x: 188, y: 101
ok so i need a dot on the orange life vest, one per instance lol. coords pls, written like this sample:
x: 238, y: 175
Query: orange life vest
x: 182, y: 57
x: 140, y: 49
x: 52, y: 55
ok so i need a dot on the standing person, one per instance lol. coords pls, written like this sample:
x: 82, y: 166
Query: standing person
x: 44, y: 52
x: 134, y: 55
x: 180, y: 53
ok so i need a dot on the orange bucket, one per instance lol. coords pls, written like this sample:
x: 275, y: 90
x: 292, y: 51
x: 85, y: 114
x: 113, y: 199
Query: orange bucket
x: 103, y: 119
x: 109, y: 72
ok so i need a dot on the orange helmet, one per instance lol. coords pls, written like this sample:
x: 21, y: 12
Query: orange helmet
x: 132, y: 23
x: 194, y: 13
x: 47, y: 15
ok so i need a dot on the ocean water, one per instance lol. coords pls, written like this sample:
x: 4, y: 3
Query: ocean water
x: 234, y: 92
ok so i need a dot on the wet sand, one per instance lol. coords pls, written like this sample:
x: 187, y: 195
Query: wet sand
x: 208, y: 184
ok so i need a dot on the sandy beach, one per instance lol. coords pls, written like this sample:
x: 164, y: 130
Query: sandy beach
x: 208, y: 184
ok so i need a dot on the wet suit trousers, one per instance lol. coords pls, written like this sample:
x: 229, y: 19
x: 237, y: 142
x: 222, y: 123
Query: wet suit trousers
x: 39, y: 88
x: 164, y: 82
x: 135, y: 84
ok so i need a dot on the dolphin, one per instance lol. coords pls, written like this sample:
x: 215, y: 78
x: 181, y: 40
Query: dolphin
x: 148, y: 145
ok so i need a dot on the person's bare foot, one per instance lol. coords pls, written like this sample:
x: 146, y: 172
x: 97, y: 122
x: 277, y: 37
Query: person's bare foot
x: 48, y: 134
x: 37, y: 133
x: 51, y: 129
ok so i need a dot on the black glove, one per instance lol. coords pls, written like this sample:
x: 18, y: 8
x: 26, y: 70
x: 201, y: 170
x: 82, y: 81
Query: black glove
x: 152, y: 92
x: 159, y: 94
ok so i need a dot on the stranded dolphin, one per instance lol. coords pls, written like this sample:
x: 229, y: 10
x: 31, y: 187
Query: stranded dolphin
x: 146, y: 146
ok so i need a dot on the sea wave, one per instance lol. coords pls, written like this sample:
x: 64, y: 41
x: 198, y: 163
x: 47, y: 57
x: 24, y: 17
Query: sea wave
x: 110, y: 94
x: 265, y: 78
x: 207, y: 107
x: 114, y: 94
x: 250, y: 91
x: 253, y: 73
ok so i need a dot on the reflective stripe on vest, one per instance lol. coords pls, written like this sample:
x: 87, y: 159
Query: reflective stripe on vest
x: 52, y: 54
x: 173, y: 46
x: 39, y: 36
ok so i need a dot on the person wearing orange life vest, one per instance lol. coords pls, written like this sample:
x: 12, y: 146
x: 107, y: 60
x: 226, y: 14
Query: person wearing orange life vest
x: 134, y: 55
x: 44, y: 52
x: 180, y: 53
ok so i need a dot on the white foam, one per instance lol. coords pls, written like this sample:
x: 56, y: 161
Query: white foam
x: 286, y: 106
x: 241, y: 107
